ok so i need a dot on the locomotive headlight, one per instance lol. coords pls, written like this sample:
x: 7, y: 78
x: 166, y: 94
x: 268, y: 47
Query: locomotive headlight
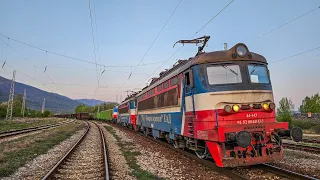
x: 235, y: 108
x: 272, y: 106
x: 265, y: 106
x: 241, y: 50
x: 227, y: 108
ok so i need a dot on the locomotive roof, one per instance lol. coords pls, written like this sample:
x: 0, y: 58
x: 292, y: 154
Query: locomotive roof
x: 204, y: 58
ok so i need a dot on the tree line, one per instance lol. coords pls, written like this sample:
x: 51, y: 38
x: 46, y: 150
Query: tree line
x: 16, y: 110
x: 94, y: 109
x: 285, y: 109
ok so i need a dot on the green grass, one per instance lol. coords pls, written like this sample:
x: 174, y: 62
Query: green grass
x: 130, y: 155
x: 16, y: 153
x: 7, y: 125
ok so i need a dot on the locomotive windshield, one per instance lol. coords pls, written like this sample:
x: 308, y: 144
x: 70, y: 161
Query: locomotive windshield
x: 224, y: 74
x: 258, y: 74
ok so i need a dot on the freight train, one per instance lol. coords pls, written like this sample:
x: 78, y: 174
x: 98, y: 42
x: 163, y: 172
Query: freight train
x: 82, y: 116
x: 219, y: 104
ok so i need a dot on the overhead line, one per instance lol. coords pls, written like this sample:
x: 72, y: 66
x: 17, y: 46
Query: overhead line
x: 155, y: 39
x: 283, y: 59
x: 216, y: 15
x: 63, y: 55
x: 212, y: 18
x: 288, y: 22
x: 93, y: 41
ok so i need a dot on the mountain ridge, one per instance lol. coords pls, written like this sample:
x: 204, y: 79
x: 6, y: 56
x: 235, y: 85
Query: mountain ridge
x: 54, y: 102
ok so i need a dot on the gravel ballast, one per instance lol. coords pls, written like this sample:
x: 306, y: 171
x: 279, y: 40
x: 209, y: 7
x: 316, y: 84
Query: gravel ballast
x: 119, y: 170
x: 301, y: 162
x: 39, y: 166
x: 164, y: 162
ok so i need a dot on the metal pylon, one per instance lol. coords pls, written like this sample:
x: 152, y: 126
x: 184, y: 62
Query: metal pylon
x: 24, y: 102
x: 10, y: 101
x: 43, y: 105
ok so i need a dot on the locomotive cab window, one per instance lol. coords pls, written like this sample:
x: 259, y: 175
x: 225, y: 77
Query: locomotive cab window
x: 224, y: 74
x: 258, y: 74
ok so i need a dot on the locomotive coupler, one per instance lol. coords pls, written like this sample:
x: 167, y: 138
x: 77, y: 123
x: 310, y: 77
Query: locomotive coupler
x: 295, y: 133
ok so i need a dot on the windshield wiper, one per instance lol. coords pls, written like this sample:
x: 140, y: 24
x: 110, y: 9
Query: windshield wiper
x: 226, y: 67
x: 254, y: 68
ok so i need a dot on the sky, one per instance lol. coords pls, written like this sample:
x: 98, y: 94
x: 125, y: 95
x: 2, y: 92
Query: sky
x: 123, y: 30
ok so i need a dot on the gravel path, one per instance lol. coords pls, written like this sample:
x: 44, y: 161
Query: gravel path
x: 86, y: 161
x: 37, y: 168
x: 164, y: 162
x: 118, y: 167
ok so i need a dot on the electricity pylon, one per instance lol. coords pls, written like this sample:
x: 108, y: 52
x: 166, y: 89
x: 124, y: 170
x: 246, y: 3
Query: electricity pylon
x: 10, y: 101
x: 24, y: 102
x: 43, y: 105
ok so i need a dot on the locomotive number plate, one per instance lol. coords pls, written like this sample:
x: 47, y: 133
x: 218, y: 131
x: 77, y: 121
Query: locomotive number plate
x: 254, y: 121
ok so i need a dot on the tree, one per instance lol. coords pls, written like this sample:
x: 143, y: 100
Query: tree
x: 284, y: 112
x: 310, y: 104
x: 47, y: 113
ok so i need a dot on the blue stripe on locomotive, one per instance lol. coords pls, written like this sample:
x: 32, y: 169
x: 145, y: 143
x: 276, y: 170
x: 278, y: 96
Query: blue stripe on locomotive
x: 115, y: 109
x: 168, y: 122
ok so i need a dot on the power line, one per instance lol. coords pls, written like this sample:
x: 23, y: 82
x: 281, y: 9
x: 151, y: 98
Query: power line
x: 288, y: 22
x: 298, y: 54
x: 212, y: 18
x: 63, y: 55
x: 155, y: 39
x: 93, y: 41
x: 216, y: 15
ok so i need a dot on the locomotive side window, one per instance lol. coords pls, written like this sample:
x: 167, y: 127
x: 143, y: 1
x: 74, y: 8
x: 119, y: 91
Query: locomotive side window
x: 166, y: 85
x: 258, y: 74
x: 174, y: 81
x: 224, y: 74
x: 159, y: 87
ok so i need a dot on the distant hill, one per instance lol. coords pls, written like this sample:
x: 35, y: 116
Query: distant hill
x: 91, y: 102
x: 54, y: 102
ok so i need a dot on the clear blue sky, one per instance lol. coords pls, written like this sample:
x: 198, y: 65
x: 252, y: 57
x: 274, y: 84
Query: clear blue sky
x: 127, y: 28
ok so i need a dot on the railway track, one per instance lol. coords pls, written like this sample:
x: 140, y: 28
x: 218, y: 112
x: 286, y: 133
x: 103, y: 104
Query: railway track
x: 300, y: 147
x: 284, y: 173
x: 87, y: 159
x: 228, y: 171
x: 308, y: 140
x: 31, y: 129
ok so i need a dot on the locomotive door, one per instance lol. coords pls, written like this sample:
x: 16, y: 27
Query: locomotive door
x: 188, y: 92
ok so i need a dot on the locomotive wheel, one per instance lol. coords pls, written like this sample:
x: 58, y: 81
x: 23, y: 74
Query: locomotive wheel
x: 202, y: 154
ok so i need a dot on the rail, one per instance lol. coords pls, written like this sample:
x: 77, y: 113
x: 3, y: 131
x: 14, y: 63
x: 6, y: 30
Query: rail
x: 284, y: 172
x: 6, y: 134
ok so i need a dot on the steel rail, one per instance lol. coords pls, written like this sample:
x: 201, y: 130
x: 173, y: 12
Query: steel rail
x: 55, y: 167
x: 284, y: 172
x: 104, y: 148
x: 311, y: 149
x: 6, y: 134
x: 210, y: 164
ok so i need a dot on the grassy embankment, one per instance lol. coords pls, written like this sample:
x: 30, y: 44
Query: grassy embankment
x: 7, y: 125
x: 130, y: 155
x: 16, y: 153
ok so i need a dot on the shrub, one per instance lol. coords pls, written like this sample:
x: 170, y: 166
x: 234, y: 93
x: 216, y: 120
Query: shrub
x: 316, y: 129
x: 303, y: 124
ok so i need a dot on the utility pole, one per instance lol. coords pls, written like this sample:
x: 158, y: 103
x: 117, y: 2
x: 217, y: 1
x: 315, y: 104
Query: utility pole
x: 10, y: 101
x: 24, y: 102
x: 43, y: 105
x: 98, y: 108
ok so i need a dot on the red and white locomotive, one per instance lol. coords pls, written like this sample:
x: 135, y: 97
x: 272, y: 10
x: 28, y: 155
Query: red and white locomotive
x: 219, y: 104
